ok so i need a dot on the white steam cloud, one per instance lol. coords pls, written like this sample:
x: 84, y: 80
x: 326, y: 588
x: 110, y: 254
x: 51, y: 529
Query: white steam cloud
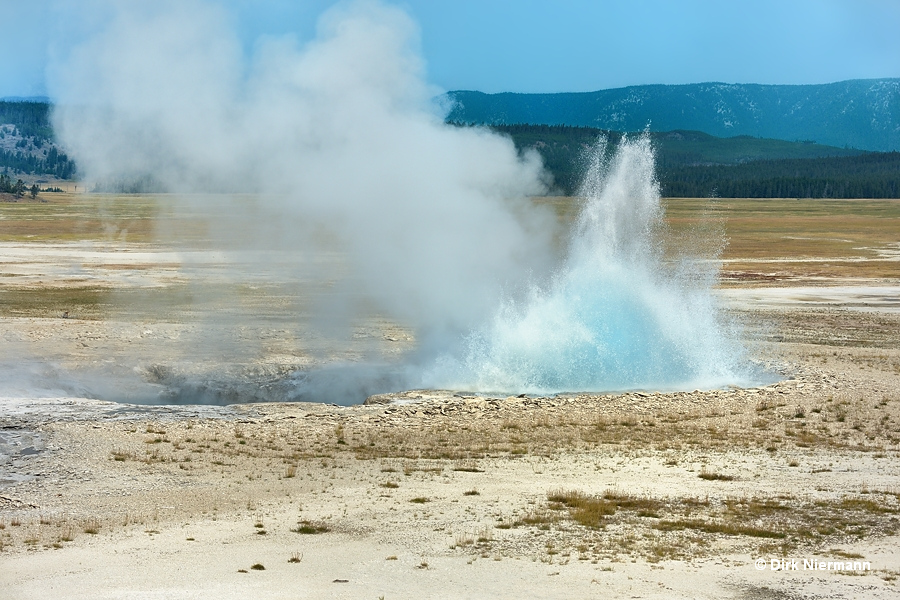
x: 339, y: 135
x: 343, y: 148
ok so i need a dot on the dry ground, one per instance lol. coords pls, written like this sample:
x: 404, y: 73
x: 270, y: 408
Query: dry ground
x: 443, y: 495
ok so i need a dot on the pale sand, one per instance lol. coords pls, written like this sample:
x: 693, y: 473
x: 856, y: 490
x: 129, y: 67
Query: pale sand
x: 148, y: 504
x: 815, y: 458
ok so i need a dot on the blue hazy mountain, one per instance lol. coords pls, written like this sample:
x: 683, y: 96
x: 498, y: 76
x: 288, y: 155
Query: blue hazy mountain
x: 863, y: 114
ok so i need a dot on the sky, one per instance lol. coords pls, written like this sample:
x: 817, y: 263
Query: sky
x: 541, y: 46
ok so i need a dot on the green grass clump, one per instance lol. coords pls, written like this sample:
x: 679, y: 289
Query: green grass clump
x: 589, y: 511
x: 713, y: 476
x: 311, y: 528
x: 717, y: 527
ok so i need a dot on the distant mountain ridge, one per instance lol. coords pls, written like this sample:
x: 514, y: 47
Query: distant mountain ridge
x: 861, y: 113
x: 39, y: 99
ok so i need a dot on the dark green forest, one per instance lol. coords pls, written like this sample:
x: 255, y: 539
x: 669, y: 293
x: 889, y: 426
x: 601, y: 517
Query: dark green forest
x: 56, y: 163
x: 873, y: 175
x: 17, y: 188
x: 691, y: 164
x: 31, y: 118
x: 31, y: 121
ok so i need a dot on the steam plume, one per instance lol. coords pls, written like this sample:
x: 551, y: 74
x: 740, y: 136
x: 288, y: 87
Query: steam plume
x: 345, y: 152
x: 339, y: 137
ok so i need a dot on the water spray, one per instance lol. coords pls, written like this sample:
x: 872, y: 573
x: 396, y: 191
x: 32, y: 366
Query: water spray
x: 618, y: 314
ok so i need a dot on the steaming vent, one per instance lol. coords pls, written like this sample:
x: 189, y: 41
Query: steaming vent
x: 618, y: 314
x: 334, y: 147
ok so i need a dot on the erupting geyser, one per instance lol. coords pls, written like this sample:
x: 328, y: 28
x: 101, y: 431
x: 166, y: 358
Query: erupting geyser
x: 618, y: 314
x: 348, y: 195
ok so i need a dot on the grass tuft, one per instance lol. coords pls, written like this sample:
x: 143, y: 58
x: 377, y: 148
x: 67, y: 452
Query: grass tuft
x: 714, y: 527
x: 92, y: 526
x: 713, y: 476
x: 589, y: 511
x: 467, y: 466
x: 311, y: 528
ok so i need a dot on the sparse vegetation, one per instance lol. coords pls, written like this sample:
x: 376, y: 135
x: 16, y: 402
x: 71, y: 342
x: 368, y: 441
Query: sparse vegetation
x: 91, y: 526
x: 311, y: 527
x: 714, y: 476
x: 469, y: 466
x: 803, y: 433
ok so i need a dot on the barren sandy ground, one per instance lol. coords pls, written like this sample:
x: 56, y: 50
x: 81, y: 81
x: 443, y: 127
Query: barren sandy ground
x: 435, y: 494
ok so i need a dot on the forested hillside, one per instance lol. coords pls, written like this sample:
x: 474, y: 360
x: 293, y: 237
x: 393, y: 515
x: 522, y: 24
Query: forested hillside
x: 689, y: 163
x: 862, y: 114
x: 693, y: 164
x: 874, y: 175
x: 27, y: 144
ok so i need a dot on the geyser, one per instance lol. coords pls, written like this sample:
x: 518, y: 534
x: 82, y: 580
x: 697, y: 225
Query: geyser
x: 342, y: 152
x: 618, y: 314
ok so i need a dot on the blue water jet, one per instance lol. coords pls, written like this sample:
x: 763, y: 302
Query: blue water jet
x: 618, y: 314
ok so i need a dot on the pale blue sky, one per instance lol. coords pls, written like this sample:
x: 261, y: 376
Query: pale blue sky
x: 550, y: 46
